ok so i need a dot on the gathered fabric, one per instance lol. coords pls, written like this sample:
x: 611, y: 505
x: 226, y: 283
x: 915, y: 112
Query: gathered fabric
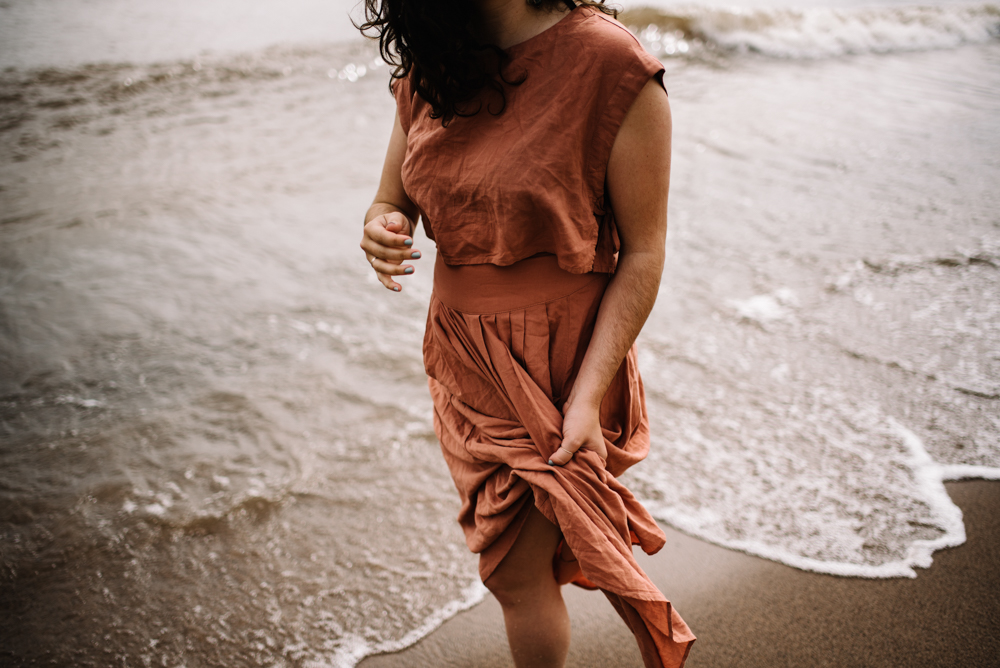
x: 502, y: 349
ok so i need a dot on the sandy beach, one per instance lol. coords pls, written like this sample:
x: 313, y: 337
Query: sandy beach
x: 751, y: 612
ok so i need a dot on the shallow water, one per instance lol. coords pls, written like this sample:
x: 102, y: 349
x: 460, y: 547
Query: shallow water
x: 44, y: 33
x: 217, y: 444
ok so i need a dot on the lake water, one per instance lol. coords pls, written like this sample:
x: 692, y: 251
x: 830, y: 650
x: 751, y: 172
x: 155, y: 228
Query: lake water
x: 216, y: 433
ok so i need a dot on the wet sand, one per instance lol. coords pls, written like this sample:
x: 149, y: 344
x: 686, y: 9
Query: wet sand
x: 750, y: 612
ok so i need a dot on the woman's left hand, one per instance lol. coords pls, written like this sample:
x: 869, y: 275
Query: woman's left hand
x: 581, y: 430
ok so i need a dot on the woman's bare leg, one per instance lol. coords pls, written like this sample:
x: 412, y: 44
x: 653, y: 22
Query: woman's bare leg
x: 533, y: 608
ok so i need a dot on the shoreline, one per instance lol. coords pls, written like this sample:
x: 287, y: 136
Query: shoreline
x: 748, y: 611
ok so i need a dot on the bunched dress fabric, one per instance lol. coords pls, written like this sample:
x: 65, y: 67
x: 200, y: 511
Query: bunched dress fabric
x: 501, y: 348
x: 526, y: 243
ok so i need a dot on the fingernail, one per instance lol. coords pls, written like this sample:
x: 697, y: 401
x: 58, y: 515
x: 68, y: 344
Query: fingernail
x: 408, y: 242
x: 408, y: 270
x: 551, y: 463
x: 395, y: 288
x: 415, y: 255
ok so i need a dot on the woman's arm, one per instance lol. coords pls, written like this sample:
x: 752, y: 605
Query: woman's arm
x: 638, y: 179
x: 390, y: 220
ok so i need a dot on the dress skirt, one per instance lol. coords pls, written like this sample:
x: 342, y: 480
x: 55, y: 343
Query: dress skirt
x: 502, y: 349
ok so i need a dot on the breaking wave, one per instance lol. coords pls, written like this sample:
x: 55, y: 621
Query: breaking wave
x: 812, y: 33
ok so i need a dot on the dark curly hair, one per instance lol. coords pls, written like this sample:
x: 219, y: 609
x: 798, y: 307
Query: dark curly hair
x: 434, y: 39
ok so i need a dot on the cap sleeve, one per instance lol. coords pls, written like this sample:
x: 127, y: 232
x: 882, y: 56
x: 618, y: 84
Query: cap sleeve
x: 402, y: 90
x: 627, y: 67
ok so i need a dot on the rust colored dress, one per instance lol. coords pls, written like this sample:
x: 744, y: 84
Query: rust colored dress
x: 526, y: 246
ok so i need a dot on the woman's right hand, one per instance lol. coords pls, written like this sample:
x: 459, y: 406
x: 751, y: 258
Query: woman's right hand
x: 388, y: 243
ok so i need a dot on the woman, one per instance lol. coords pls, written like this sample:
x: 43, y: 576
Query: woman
x: 533, y: 139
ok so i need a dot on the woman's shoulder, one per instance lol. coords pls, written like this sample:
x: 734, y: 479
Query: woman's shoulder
x: 604, y: 32
x: 601, y: 24
x: 402, y: 86
x: 403, y: 90
x: 598, y: 44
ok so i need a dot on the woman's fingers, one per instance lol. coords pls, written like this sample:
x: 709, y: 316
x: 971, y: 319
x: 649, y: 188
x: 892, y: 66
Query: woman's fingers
x: 568, y: 448
x: 383, y: 243
x: 385, y: 270
x: 388, y: 234
x: 387, y: 282
x: 562, y: 456
x: 387, y: 246
x: 389, y: 253
x: 581, y: 430
x: 390, y: 268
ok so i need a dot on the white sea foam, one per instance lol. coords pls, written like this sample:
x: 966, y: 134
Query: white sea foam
x: 928, y: 477
x: 353, y: 648
x: 806, y: 457
x: 823, y: 32
x: 765, y: 308
x: 80, y: 402
x: 969, y: 472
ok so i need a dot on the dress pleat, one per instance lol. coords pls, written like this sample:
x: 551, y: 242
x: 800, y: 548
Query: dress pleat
x: 498, y: 381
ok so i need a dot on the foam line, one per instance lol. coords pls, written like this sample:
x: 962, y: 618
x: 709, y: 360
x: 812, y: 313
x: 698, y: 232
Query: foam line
x: 969, y: 472
x: 930, y: 477
x: 354, y: 648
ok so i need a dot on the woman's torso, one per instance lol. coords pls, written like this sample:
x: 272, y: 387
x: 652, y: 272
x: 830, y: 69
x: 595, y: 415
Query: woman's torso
x: 499, y: 188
